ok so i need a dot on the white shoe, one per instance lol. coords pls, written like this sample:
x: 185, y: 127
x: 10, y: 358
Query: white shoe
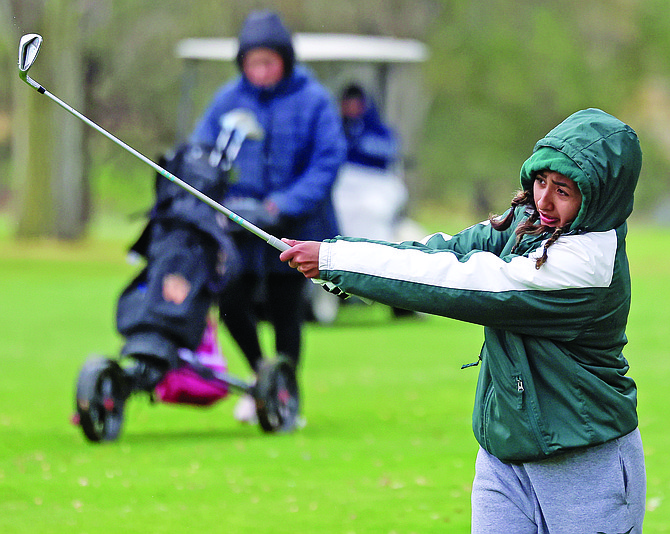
x: 245, y: 410
x: 300, y: 422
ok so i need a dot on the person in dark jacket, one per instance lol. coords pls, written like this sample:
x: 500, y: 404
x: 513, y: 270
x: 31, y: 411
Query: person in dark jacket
x: 555, y: 410
x: 283, y: 181
x: 370, y: 141
x: 370, y: 194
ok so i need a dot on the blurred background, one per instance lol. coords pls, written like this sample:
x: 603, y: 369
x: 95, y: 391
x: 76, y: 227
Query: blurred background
x: 496, y: 76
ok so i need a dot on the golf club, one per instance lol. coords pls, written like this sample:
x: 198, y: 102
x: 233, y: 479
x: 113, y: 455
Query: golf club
x: 240, y: 124
x: 29, y: 47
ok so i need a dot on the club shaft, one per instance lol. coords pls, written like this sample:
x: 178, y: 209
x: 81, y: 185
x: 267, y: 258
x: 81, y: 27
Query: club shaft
x: 259, y: 232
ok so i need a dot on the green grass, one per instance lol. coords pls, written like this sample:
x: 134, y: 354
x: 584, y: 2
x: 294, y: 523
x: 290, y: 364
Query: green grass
x: 388, y: 446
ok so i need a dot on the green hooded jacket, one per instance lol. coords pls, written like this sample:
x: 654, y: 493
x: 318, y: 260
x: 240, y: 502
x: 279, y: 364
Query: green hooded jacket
x: 553, y: 376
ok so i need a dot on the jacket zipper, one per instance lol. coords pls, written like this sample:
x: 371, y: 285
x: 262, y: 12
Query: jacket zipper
x: 520, y: 389
x: 533, y: 423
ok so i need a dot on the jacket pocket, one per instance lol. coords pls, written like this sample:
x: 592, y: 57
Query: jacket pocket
x: 507, y: 426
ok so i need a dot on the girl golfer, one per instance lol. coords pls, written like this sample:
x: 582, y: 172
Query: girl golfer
x: 555, y: 411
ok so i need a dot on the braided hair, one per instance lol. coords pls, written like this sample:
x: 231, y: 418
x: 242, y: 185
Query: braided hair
x: 529, y: 226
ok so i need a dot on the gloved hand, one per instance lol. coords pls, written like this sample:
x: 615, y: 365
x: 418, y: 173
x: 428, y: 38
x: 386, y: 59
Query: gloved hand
x: 265, y: 215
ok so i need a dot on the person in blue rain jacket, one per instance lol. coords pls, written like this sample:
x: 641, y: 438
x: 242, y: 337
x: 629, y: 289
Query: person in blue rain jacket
x: 282, y: 182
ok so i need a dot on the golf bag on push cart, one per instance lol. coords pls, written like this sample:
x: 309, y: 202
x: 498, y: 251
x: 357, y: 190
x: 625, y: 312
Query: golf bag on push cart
x: 163, y: 312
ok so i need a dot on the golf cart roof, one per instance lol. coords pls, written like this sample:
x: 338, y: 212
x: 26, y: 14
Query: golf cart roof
x: 317, y: 47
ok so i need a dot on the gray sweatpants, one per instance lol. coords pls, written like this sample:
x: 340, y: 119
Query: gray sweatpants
x: 599, y: 490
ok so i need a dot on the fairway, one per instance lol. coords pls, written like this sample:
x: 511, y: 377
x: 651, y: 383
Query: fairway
x: 388, y: 446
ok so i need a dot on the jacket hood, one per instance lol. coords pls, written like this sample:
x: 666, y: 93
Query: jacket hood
x: 602, y: 155
x: 265, y: 29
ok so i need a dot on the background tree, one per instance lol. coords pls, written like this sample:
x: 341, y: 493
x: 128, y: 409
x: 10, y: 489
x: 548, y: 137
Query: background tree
x: 500, y: 74
x: 48, y: 167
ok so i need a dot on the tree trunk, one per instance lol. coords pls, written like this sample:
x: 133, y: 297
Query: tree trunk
x: 31, y: 148
x: 48, y: 143
x: 69, y: 173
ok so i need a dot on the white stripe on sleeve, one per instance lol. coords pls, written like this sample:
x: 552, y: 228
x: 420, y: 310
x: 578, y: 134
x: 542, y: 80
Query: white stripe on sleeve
x: 574, y: 261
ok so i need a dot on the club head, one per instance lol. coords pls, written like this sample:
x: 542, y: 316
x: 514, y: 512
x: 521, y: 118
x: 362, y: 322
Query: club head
x: 244, y: 122
x: 29, y: 47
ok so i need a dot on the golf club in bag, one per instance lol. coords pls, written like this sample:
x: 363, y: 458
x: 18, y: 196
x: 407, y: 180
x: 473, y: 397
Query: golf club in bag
x: 104, y: 385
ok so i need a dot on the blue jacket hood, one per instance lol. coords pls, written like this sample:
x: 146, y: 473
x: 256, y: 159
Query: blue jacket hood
x: 265, y: 29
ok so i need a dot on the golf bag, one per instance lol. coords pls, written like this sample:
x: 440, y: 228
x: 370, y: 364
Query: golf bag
x: 189, y: 257
x: 164, y: 313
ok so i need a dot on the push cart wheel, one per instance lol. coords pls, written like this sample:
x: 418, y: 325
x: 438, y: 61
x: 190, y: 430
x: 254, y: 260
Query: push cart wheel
x: 101, y: 395
x: 277, y: 396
